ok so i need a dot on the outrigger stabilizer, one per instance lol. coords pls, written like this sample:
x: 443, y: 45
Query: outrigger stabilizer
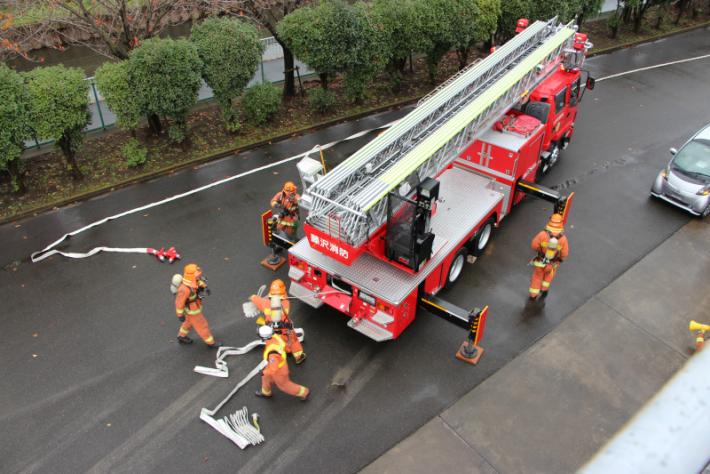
x: 562, y: 203
x: 473, y: 321
x: 273, y: 239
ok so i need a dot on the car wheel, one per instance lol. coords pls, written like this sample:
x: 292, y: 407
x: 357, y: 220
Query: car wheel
x: 706, y: 211
x: 456, y: 267
x: 483, y: 236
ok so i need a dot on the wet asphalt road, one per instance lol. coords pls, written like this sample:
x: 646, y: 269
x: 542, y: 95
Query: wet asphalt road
x: 93, y: 380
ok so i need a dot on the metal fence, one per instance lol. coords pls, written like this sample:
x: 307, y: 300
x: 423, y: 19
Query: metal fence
x: 270, y: 70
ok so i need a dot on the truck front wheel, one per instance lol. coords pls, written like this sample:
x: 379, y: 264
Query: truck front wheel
x: 551, y: 159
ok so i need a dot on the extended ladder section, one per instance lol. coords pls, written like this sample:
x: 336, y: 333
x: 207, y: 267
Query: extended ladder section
x: 349, y: 202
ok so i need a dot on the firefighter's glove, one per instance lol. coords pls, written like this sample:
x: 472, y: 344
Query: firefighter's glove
x: 182, y: 318
x: 250, y: 310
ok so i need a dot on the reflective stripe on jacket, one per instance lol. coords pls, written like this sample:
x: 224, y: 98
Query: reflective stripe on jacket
x: 539, y: 245
x: 278, y: 345
x: 187, y: 302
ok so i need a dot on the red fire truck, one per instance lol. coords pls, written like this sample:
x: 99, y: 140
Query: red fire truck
x: 394, y: 223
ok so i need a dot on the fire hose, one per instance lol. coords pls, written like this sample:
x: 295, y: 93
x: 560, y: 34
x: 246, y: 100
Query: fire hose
x: 221, y: 369
x: 235, y: 426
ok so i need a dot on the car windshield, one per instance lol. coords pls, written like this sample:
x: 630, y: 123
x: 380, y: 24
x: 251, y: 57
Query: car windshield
x: 694, y: 159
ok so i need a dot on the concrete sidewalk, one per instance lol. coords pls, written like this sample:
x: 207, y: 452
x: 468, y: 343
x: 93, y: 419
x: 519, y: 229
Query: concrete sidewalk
x: 555, y: 405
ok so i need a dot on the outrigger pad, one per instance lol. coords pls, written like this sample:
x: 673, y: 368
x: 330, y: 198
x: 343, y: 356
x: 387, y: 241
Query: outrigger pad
x: 273, y: 266
x: 461, y: 354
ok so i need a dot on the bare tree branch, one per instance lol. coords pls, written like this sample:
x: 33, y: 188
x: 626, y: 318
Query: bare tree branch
x: 110, y: 27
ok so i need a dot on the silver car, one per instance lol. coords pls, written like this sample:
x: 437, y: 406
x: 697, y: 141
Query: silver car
x: 685, y: 182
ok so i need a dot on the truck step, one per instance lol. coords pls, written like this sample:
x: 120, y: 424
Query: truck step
x: 305, y: 295
x: 373, y: 331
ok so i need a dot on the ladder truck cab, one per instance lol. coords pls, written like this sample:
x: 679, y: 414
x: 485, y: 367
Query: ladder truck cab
x: 393, y: 224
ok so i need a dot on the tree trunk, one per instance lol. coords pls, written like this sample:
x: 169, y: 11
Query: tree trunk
x: 431, y: 68
x: 70, y: 156
x: 154, y: 122
x: 18, y: 184
x: 681, y: 9
x: 462, y: 55
x: 394, y: 69
x: 289, y: 79
x: 614, y: 30
x: 637, y: 21
x: 323, y: 80
x: 580, y: 19
x: 626, y: 15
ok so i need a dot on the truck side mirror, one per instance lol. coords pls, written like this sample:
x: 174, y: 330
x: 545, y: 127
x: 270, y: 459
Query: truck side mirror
x: 590, y: 83
x: 673, y: 151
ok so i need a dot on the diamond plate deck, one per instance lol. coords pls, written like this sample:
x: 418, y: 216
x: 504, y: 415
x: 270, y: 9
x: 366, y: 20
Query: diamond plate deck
x: 465, y: 199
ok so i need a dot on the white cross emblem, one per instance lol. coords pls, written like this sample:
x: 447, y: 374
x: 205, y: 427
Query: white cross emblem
x: 485, y: 154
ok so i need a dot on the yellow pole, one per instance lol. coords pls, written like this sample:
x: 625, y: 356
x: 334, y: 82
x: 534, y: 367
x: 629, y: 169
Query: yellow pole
x: 322, y: 160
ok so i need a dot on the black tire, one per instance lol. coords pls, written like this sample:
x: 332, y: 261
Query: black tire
x: 456, y: 267
x: 706, y: 212
x: 482, y: 238
x: 554, y: 157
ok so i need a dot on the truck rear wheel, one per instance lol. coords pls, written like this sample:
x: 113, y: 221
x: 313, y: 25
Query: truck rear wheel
x: 483, y: 236
x: 456, y: 267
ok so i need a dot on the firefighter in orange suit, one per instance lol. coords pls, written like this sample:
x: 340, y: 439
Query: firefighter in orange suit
x: 276, y: 371
x: 286, y: 204
x: 188, y: 306
x: 277, y: 317
x: 552, y: 249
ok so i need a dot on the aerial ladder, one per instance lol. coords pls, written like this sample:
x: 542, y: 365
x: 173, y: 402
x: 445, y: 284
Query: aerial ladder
x: 348, y: 203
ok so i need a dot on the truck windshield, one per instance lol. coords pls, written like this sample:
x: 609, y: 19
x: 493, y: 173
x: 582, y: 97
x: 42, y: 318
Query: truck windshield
x: 694, y: 159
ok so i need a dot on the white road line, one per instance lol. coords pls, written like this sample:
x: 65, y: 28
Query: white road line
x: 625, y: 73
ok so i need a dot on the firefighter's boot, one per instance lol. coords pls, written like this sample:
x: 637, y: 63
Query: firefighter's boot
x: 300, y: 359
x: 184, y: 340
x: 214, y: 345
x: 261, y: 394
x: 543, y: 294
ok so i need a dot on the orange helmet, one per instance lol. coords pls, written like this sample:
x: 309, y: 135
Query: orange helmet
x: 555, y: 225
x: 278, y: 288
x: 191, y: 274
x: 290, y: 188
